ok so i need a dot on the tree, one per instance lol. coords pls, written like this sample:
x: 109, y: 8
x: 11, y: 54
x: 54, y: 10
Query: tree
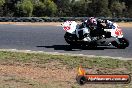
x: 51, y: 8
x: 100, y: 8
x: 129, y: 8
x: 39, y: 9
x: 45, y: 8
x: 117, y: 8
x: 79, y: 8
x: 2, y: 2
x: 24, y: 8
x: 64, y: 7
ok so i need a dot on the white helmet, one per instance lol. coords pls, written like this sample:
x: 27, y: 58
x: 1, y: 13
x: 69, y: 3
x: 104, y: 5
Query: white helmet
x: 93, y: 21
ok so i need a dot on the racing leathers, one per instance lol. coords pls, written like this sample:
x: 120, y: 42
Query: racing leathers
x: 90, y: 24
x: 110, y: 24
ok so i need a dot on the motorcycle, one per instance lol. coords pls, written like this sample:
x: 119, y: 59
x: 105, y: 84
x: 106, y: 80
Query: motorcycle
x: 85, y: 37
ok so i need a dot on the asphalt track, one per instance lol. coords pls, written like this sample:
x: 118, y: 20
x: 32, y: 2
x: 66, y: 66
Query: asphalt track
x: 50, y: 39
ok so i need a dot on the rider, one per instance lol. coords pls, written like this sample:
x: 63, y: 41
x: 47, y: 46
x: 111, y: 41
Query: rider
x: 111, y: 25
x: 91, y: 24
x: 99, y: 29
x: 95, y: 25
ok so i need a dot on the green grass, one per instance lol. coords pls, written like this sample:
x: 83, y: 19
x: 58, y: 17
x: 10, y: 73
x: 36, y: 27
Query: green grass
x: 70, y: 61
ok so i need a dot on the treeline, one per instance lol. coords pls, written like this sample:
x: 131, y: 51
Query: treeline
x: 65, y: 8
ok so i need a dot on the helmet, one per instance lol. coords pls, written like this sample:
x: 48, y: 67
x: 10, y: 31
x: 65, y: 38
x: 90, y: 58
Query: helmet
x: 92, y: 21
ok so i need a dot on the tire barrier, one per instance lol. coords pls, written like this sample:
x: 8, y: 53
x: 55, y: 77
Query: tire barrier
x: 56, y: 19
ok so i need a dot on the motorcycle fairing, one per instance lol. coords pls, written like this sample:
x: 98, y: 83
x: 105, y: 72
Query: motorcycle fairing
x: 115, y: 31
x: 69, y: 26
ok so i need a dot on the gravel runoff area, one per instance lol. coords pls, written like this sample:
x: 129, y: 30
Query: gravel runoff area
x: 122, y: 24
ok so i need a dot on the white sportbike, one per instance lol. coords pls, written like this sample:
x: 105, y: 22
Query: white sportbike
x: 85, y: 37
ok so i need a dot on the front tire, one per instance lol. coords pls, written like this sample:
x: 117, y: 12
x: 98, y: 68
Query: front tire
x: 70, y: 38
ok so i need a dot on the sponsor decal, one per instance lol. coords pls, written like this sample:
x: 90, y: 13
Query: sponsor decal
x: 118, y: 32
x: 83, y: 78
x: 66, y: 28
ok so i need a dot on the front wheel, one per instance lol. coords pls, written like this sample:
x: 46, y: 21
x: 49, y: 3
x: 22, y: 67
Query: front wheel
x: 69, y: 38
x: 121, y: 44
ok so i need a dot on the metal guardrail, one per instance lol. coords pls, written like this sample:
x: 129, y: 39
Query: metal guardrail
x: 56, y: 19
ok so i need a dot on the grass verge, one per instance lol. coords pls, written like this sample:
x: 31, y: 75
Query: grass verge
x: 98, y: 65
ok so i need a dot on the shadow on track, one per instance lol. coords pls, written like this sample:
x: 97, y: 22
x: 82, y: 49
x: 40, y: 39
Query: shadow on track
x: 76, y: 48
